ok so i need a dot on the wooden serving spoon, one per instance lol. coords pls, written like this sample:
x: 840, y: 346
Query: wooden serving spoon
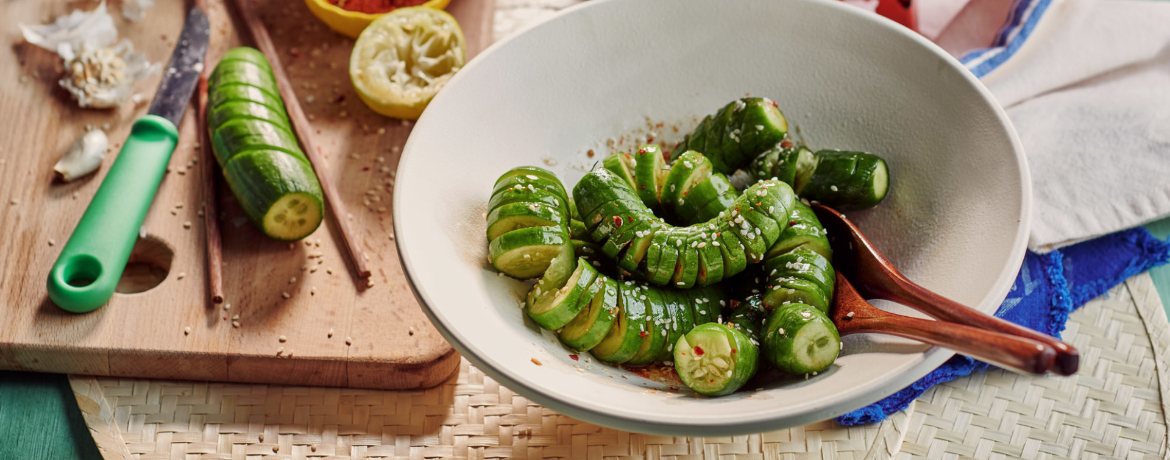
x: 857, y: 260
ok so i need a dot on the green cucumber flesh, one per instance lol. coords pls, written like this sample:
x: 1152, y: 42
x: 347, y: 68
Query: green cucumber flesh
x: 278, y: 192
x: 524, y: 195
x: 663, y: 264
x: 624, y: 234
x: 699, y: 196
x: 735, y: 260
x: 649, y: 174
x: 625, y: 338
x: 243, y: 92
x: 534, y: 182
x: 594, y: 321
x: 246, y: 134
x: 710, y: 261
x: 517, y: 215
x: 806, y: 165
x: 768, y: 228
x: 553, y: 309
x: 527, y: 171
x: 621, y: 164
x: 804, y: 264
x: 715, y: 360
x: 714, y: 146
x: 799, y: 339
x: 236, y: 71
x: 577, y: 230
x: 223, y: 113
x: 764, y: 126
x: 526, y: 253
x: 689, y: 170
x: 686, y: 270
x: 788, y: 291
x: 657, y: 330
x: 636, y: 251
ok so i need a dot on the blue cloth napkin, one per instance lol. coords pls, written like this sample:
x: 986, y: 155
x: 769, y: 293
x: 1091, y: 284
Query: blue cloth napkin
x: 1048, y: 288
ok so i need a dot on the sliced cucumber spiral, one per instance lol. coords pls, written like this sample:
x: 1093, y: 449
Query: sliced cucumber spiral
x: 528, y: 224
x: 846, y: 181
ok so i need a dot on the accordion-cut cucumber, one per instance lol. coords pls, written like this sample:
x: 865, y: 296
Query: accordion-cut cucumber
x: 790, y: 275
x: 749, y: 317
x: 553, y: 309
x: 690, y: 210
x: 649, y: 174
x: 533, y: 182
x: 514, y: 216
x: 525, y: 195
x: 689, y: 170
x: 804, y: 231
x: 799, y: 339
x: 594, y: 321
x: 622, y: 164
x: 277, y: 191
x: 530, y: 171
x: 625, y: 337
x: 253, y: 144
x: 526, y: 253
x: 713, y: 359
x: 848, y: 181
x: 657, y: 325
x: 737, y: 133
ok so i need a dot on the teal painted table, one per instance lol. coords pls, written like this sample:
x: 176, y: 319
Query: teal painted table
x: 39, y: 418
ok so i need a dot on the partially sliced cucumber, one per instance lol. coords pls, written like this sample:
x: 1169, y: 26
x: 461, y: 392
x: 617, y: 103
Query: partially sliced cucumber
x: 664, y: 256
x: 682, y: 319
x: 789, y: 291
x: 696, y: 140
x: 657, y: 325
x: 730, y: 150
x: 223, y: 113
x: 625, y: 337
x: 601, y: 187
x: 698, y: 197
x: 799, y: 339
x: 649, y: 174
x: 277, y: 191
x: 528, y: 171
x: 594, y: 321
x: 804, y: 231
x: 246, y: 134
x: 749, y: 317
x: 688, y: 170
x: 622, y: 165
x: 735, y: 260
x: 713, y: 359
x: 527, y: 252
x: 237, y: 71
x: 517, y: 215
x: 552, y: 310
x: 524, y: 195
x: 848, y: 181
x: 763, y: 126
x: 247, y: 53
x: 534, y: 182
x: 710, y: 260
x: 686, y: 270
x: 636, y: 251
x: 244, y: 92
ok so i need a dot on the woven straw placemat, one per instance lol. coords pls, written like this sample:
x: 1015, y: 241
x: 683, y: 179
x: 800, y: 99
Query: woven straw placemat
x: 471, y: 416
x: 1114, y: 408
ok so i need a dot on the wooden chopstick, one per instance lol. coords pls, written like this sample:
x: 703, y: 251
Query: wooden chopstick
x: 210, y: 192
x: 305, y: 134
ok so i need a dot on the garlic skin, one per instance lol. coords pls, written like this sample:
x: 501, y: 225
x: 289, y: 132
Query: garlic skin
x: 135, y: 10
x: 84, y: 156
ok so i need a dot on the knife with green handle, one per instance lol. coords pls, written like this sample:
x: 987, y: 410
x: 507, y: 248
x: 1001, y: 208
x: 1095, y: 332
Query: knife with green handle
x: 91, y: 263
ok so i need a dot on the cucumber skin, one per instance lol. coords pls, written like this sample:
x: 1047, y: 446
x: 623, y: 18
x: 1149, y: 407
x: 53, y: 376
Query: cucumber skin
x: 251, y: 176
x: 547, y: 236
x: 710, y: 135
x: 556, y: 317
x: 605, y: 317
x: 657, y: 330
x: 842, y: 180
x: 778, y: 346
x: 258, y: 186
x: 242, y: 134
x: 746, y: 358
x: 235, y: 109
x: 749, y: 317
x: 804, y: 231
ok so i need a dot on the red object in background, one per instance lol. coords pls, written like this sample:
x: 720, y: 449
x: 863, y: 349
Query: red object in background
x: 900, y: 11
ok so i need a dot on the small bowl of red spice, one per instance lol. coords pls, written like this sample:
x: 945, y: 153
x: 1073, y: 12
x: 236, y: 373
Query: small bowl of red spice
x: 350, y: 17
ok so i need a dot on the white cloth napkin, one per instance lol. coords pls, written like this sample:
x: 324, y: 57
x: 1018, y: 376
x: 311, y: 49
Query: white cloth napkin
x: 1087, y: 85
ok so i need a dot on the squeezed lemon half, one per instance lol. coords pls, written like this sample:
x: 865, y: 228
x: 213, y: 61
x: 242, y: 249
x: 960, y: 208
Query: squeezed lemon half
x: 404, y: 58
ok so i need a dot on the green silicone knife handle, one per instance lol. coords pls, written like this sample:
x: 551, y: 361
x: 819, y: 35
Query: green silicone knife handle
x: 91, y: 263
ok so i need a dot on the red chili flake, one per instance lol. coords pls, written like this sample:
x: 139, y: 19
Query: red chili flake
x: 712, y: 381
x: 785, y: 144
x: 339, y: 99
x: 590, y: 153
x: 650, y: 140
x: 734, y: 350
x: 698, y: 351
x: 573, y: 357
x: 643, y: 187
x: 630, y: 218
x: 365, y: 168
x: 642, y: 334
x: 666, y: 153
x: 791, y: 223
x: 617, y: 220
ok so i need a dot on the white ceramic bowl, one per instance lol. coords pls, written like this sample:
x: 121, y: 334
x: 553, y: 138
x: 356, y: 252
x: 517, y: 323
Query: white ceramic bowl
x: 956, y: 220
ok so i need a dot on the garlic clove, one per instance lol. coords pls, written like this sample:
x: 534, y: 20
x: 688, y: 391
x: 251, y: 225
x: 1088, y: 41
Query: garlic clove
x: 84, y: 156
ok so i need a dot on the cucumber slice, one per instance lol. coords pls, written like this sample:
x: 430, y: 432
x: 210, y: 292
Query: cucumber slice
x: 577, y: 229
x: 682, y: 319
x: 698, y: 197
x: 804, y: 264
x: 713, y: 359
x: 686, y: 270
x: 754, y: 245
x: 799, y: 339
x: 243, y: 92
x: 223, y: 113
x: 637, y: 249
x: 595, y: 320
x: 790, y: 290
x: 649, y: 174
x: 245, y: 134
x: 624, y: 234
x: 730, y: 151
x: 533, y: 182
x: 770, y: 165
x: 720, y: 204
x: 247, y: 53
x: 600, y: 187
x: 657, y: 325
x: 664, y: 256
x: 764, y: 126
x: 278, y: 192
x: 777, y: 201
x: 556, y: 276
x: 237, y: 71
x: 526, y: 196
x: 710, y: 260
x: 625, y: 337
x: 526, y: 253
x: 767, y: 227
x: 528, y: 171
x: 806, y: 165
x: 689, y: 170
x: 553, y: 309
x: 848, y: 181
x: 735, y: 260
x: 804, y: 231
x: 517, y: 215
x: 622, y: 165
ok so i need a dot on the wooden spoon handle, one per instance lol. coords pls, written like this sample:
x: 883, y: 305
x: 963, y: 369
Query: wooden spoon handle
x: 902, y: 290
x: 1003, y: 350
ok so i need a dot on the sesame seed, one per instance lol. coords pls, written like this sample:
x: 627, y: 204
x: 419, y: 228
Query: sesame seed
x: 52, y: 242
x: 292, y: 280
x: 282, y: 339
x: 227, y: 306
x: 181, y: 275
x: 285, y: 295
x: 235, y: 324
x: 279, y: 351
x: 370, y: 283
x: 187, y: 330
x: 349, y: 341
x: 329, y: 334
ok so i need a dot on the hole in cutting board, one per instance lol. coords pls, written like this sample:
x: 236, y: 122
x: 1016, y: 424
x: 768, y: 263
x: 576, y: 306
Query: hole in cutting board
x: 150, y: 262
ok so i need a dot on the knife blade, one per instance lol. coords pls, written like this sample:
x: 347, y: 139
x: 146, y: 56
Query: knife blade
x: 87, y: 271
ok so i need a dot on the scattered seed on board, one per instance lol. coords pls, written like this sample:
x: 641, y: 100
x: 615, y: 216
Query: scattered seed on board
x: 235, y: 324
x: 312, y: 291
x: 282, y: 339
x: 227, y: 306
x: 174, y: 213
x: 292, y: 280
x: 181, y: 275
x: 285, y: 295
x: 369, y: 283
x: 187, y: 224
x: 52, y: 242
x: 279, y: 351
x: 235, y: 316
x: 329, y: 271
x: 330, y: 334
x: 261, y: 437
x: 187, y: 330
x: 349, y: 340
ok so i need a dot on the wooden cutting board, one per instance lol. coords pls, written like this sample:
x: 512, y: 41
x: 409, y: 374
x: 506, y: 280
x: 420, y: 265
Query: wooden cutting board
x: 304, y: 319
